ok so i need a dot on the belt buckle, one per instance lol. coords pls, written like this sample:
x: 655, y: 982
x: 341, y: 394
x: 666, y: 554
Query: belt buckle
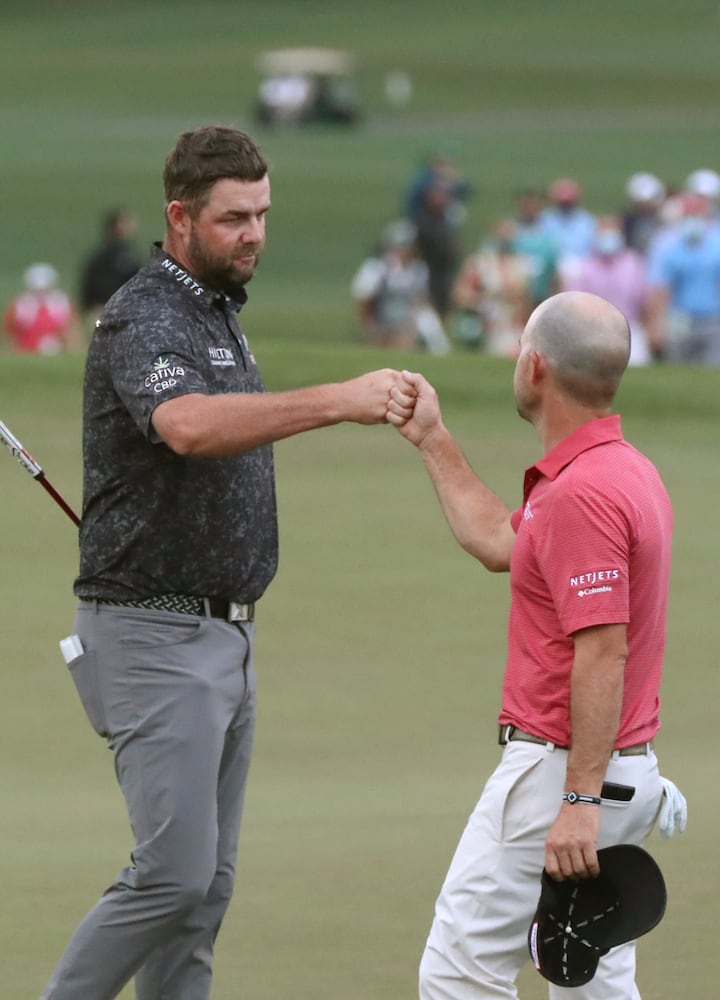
x: 505, y: 733
x: 238, y: 612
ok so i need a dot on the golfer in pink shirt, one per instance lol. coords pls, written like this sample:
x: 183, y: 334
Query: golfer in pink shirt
x: 588, y: 553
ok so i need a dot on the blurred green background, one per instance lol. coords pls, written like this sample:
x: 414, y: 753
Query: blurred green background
x: 380, y: 644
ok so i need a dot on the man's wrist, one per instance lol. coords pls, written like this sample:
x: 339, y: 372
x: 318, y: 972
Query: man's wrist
x: 434, y: 440
x: 575, y: 798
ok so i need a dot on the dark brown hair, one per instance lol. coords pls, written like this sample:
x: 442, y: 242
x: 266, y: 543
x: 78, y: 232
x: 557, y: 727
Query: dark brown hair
x: 206, y: 155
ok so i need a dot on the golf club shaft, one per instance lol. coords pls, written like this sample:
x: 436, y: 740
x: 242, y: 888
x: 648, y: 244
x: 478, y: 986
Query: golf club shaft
x: 30, y: 465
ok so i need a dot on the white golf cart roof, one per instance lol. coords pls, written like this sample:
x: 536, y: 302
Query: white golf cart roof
x: 314, y: 62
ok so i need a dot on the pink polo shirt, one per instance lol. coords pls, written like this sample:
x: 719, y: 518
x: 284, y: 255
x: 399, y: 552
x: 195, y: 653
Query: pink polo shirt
x: 620, y: 278
x: 592, y: 548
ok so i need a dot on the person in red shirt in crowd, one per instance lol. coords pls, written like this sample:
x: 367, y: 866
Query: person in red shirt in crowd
x: 42, y: 319
x: 589, y: 559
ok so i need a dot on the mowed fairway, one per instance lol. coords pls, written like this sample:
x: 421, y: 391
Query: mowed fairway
x: 380, y: 644
x: 379, y: 659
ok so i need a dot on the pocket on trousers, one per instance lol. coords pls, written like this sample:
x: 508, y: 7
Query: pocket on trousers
x: 152, y: 631
x: 84, y: 672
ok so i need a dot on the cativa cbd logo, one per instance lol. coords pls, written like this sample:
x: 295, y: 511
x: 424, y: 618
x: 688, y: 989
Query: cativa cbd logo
x: 164, y: 375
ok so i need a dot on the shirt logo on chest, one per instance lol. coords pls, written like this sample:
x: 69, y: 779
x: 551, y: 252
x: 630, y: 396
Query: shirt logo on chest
x: 221, y: 357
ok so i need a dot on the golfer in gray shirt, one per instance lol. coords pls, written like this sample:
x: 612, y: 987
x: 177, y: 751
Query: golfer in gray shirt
x: 178, y: 542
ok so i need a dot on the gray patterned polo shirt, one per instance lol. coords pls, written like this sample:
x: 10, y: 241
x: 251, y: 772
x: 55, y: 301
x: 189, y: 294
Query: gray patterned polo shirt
x: 155, y: 522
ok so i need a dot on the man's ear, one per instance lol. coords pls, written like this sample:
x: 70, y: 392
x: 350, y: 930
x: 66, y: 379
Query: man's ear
x: 538, y: 367
x: 177, y: 217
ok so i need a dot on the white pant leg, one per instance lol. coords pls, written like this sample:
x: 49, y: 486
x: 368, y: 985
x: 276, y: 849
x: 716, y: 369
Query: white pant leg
x: 622, y: 823
x: 614, y: 979
x: 478, y: 940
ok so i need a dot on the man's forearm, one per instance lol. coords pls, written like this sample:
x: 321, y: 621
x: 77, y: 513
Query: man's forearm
x: 596, y: 691
x: 214, y: 426
x: 479, y: 520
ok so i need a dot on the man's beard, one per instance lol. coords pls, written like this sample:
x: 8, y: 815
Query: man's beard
x: 227, y: 274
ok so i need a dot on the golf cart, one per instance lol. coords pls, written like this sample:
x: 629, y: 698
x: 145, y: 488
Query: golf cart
x: 301, y: 86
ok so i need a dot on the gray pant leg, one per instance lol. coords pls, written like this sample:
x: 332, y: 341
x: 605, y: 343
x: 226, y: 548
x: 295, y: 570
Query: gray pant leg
x: 701, y: 345
x: 166, y: 690
x: 182, y: 968
x: 711, y: 349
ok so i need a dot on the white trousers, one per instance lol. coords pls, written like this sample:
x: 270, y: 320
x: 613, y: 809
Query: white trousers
x: 478, y: 940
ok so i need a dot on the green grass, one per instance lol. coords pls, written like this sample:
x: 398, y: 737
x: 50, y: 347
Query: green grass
x: 380, y: 644
x: 380, y: 651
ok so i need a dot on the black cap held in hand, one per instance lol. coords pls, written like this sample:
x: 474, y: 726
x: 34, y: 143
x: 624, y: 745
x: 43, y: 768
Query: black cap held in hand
x: 580, y: 920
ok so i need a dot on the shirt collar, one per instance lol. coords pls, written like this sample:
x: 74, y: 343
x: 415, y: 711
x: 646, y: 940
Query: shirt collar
x: 589, y: 435
x: 167, y: 264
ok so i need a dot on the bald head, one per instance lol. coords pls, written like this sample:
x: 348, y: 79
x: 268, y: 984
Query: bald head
x: 586, y: 343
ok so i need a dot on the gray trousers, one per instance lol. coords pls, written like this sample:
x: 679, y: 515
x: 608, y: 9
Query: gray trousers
x: 694, y: 340
x: 174, y: 696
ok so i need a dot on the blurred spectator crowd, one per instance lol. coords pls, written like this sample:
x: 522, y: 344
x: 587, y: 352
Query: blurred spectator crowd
x: 43, y: 318
x: 655, y: 255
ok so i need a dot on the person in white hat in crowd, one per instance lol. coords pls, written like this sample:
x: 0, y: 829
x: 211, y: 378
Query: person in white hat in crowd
x: 42, y: 319
x: 568, y: 223
x: 684, y: 274
x: 703, y: 184
x: 641, y: 217
x: 706, y: 183
x: 391, y: 290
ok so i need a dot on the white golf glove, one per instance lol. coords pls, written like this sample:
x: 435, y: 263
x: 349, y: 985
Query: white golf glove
x: 673, y: 810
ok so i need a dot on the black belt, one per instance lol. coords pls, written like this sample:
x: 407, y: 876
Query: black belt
x: 205, y: 607
x: 509, y: 733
